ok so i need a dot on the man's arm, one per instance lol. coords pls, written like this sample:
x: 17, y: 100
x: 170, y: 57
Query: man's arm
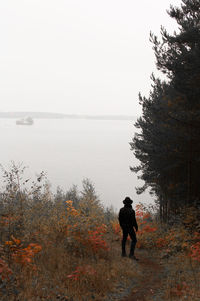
x: 120, y: 217
x: 135, y: 225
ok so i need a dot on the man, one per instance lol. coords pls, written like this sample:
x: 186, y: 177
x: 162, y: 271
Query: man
x: 127, y: 221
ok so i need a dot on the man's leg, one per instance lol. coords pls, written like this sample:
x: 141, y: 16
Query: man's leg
x: 125, y: 235
x: 133, y: 242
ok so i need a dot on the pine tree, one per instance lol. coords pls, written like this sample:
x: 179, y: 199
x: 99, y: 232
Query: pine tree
x: 168, y: 140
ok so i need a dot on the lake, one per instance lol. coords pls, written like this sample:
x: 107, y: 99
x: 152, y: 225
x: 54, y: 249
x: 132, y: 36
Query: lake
x: 69, y: 150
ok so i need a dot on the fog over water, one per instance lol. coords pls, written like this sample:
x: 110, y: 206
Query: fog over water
x: 78, y: 58
x: 70, y: 150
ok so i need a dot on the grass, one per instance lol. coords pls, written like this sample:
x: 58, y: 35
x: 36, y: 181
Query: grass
x: 66, y: 246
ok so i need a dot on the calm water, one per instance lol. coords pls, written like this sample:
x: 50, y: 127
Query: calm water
x: 70, y: 150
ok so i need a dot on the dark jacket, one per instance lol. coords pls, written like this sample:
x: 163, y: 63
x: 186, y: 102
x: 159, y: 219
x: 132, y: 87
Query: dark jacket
x: 127, y: 217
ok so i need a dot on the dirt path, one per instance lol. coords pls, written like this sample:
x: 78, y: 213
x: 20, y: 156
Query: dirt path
x: 148, y: 285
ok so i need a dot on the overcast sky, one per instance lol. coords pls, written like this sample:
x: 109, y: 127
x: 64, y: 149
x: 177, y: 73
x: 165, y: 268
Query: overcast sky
x: 78, y: 56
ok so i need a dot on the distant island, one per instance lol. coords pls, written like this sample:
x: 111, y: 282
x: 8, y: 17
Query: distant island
x: 46, y: 115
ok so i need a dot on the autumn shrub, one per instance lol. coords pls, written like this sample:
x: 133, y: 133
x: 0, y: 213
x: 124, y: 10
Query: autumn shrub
x: 179, y: 244
x: 147, y: 227
x: 52, y: 246
x: 171, y: 239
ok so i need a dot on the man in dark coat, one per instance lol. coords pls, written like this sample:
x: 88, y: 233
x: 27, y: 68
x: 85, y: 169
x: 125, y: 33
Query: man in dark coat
x: 127, y: 221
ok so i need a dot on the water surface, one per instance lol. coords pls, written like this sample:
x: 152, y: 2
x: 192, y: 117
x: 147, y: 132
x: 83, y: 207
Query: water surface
x: 69, y: 150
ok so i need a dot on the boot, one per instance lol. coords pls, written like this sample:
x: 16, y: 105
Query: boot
x: 133, y: 257
x: 123, y: 249
x: 132, y: 250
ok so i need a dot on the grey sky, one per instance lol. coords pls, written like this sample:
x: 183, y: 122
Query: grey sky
x: 78, y: 56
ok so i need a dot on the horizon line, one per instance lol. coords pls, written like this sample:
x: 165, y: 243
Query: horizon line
x: 67, y: 114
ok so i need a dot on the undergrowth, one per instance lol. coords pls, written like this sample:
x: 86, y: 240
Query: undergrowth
x: 66, y: 246
x: 178, y: 246
x: 55, y: 246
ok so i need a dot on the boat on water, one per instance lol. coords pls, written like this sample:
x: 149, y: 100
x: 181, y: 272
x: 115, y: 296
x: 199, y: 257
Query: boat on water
x: 25, y: 121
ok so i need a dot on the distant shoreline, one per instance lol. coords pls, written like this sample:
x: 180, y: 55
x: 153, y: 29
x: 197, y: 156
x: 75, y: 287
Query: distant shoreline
x: 45, y: 115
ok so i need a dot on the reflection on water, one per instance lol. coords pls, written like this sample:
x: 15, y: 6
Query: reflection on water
x: 70, y: 150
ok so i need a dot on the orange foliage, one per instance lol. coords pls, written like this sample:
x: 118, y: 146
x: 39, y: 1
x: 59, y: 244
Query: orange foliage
x: 26, y: 255
x: 92, y: 239
x: 116, y: 228
x: 161, y: 243
x: 95, y: 239
x: 195, y: 251
x: 147, y: 229
x: 21, y: 254
x: 70, y: 209
x: 5, y: 271
x: 80, y: 271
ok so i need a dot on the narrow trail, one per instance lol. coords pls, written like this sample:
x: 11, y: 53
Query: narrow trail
x: 149, y: 283
x: 147, y: 279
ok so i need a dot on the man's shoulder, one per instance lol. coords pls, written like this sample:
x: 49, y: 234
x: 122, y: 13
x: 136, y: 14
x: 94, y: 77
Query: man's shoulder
x: 121, y: 210
x: 129, y: 209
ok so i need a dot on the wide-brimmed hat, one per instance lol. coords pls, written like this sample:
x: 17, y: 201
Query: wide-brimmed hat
x: 127, y: 201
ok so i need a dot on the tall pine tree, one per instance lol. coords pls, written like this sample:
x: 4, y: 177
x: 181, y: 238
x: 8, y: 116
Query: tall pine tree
x: 168, y: 139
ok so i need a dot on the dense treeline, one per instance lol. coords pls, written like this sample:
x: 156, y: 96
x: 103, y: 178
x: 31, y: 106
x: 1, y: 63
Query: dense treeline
x: 168, y: 139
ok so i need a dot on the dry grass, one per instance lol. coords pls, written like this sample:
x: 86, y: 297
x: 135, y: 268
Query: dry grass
x: 183, y: 279
x: 52, y: 248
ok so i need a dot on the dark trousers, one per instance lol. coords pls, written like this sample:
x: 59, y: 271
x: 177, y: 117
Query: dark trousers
x: 128, y: 231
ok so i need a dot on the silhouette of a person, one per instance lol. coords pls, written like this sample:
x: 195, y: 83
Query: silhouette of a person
x: 127, y: 221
